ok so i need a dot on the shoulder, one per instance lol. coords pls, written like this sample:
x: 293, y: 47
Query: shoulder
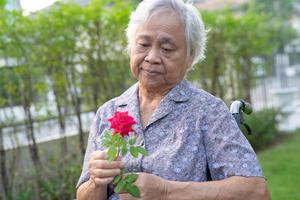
x: 203, y: 99
x: 107, y: 107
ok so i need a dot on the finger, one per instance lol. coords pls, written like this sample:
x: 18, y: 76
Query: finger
x: 105, y: 173
x: 103, y: 181
x: 99, y: 155
x: 104, y: 164
x: 102, y: 155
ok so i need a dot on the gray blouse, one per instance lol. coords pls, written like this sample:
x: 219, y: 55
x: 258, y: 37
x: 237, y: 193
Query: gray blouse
x: 191, y: 136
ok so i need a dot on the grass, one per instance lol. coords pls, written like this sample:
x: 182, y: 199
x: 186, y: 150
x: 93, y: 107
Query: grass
x: 281, y: 165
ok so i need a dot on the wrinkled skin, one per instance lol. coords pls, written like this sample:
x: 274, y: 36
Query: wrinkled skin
x: 101, y: 171
x: 151, y: 187
x: 158, y: 57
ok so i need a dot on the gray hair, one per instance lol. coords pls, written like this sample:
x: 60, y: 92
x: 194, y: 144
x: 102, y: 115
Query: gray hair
x: 195, y: 32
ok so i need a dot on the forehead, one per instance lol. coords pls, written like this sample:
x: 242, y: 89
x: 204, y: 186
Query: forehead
x: 165, y: 24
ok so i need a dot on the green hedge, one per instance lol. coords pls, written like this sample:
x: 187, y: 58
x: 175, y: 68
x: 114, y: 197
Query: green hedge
x: 264, y: 126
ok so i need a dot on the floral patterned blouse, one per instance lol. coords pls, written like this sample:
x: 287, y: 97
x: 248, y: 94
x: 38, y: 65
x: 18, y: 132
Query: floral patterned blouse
x: 191, y: 136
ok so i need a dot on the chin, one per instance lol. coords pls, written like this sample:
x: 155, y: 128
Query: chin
x: 151, y: 84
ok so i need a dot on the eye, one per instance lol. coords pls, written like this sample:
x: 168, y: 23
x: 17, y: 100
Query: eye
x: 144, y: 44
x: 167, y: 50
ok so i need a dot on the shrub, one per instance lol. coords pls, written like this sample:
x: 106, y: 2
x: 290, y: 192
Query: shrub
x: 264, y: 126
x: 62, y: 185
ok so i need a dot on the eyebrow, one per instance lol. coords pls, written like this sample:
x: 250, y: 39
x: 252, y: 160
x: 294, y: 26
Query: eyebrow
x: 163, y: 40
x: 146, y: 37
x: 167, y: 40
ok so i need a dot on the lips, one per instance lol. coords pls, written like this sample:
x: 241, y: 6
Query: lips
x: 150, y: 72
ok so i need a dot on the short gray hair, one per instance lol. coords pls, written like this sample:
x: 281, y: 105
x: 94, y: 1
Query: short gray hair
x: 195, y: 32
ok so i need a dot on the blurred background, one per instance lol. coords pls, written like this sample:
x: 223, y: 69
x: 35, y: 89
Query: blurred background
x: 61, y: 60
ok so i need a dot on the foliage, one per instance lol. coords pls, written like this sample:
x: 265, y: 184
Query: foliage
x: 77, y: 55
x: 264, y: 126
x: 61, y: 185
x: 2, y: 3
x: 9, y: 83
x: 71, y: 53
x: 126, y: 183
x: 274, y: 8
x: 233, y: 42
x: 58, y: 185
x: 279, y: 13
x: 69, y: 50
x: 281, y: 168
x: 119, y: 145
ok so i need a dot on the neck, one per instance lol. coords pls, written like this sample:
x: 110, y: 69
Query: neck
x: 152, y: 95
x: 149, y: 100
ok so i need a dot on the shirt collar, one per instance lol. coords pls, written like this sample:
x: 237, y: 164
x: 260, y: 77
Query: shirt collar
x: 179, y: 93
x: 129, y: 101
x: 128, y: 97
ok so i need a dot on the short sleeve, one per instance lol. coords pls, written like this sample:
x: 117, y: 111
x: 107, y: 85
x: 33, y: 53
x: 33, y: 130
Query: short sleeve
x: 227, y: 149
x: 91, y: 147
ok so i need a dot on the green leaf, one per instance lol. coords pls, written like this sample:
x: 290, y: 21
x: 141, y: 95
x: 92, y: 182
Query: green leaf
x: 117, y: 140
x: 117, y: 179
x: 124, y: 151
x: 134, y: 152
x: 124, y: 143
x: 132, y: 140
x: 107, y: 134
x: 133, y: 190
x: 142, y: 151
x: 131, y: 178
x: 112, y: 154
x: 107, y: 143
x: 120, y: 186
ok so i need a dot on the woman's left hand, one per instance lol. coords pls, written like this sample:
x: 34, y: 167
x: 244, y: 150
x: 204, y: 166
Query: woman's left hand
x: 151, y: 187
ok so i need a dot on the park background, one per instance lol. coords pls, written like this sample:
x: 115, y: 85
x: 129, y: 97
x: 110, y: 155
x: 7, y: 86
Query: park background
x: 59, y: 63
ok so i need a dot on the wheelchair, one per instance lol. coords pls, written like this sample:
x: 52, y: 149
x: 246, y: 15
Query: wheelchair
x: 237, y: 109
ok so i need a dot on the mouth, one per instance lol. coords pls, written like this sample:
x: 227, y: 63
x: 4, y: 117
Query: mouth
x: 150, y: 72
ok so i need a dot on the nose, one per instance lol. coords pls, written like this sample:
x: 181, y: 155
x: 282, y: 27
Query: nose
x: 153, y: 56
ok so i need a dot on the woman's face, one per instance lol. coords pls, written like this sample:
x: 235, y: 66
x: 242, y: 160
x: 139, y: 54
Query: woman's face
x: 158, y: 57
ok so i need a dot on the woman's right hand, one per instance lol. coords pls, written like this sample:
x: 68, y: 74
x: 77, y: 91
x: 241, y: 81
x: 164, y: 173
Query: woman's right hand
x: 101, y: 171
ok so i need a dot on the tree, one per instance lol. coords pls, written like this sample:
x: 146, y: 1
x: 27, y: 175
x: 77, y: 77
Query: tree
x: 105, y: 75
x: 274, y: 8
x: 233, y: 42
x: 76, y: 53
x: 278, y: 13
x: 2, y: 4
x: 9, y: 97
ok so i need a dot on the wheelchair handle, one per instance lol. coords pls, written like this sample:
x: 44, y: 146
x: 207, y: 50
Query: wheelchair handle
x: 239, y: 106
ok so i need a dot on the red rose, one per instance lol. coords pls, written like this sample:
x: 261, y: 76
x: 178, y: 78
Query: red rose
x: 121, y: 123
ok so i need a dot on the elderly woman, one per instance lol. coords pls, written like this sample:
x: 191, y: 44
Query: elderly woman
x: 196, y: 150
